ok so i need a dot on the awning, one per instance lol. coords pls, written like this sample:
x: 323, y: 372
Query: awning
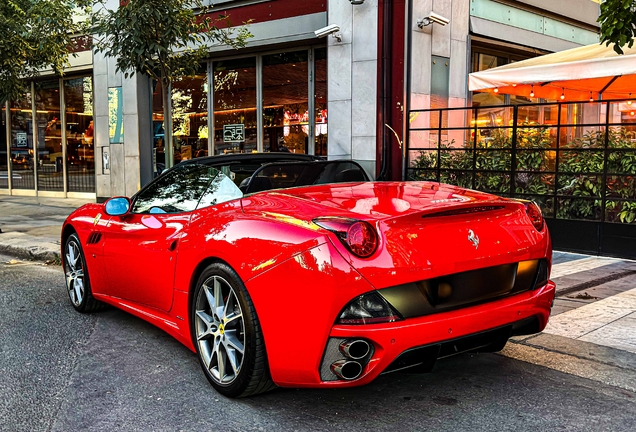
x: 578, y: 74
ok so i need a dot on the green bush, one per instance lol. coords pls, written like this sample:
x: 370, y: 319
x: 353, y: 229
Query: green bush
x: 581, y: 164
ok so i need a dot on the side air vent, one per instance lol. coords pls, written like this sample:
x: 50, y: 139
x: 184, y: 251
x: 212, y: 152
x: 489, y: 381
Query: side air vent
x: 94, y: 238
x: 461, y: 211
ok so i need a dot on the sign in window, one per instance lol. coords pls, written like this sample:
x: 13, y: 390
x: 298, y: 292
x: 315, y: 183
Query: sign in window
x: 233, y: 133
x: 21, y: 139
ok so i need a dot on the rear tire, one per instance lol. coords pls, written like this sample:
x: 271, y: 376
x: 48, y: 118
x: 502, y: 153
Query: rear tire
x: 227, y: 335
x: 78, y: 284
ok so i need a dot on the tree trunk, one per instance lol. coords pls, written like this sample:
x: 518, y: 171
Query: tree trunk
x: 167, y: 123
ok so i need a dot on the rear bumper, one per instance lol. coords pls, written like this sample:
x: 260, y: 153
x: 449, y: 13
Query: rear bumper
x: 391, y: 340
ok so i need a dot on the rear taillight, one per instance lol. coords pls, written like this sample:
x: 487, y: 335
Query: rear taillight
x: 358, y: 236
x: 534, y: 213
x: 370, y: 308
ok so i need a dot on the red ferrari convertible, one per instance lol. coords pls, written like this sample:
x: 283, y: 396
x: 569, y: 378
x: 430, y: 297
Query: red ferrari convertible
x: 302, y: 273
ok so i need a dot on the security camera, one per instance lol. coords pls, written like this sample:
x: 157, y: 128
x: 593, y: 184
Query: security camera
x: 432, y: 18
x: 438, y: 19
x: 329, y: 30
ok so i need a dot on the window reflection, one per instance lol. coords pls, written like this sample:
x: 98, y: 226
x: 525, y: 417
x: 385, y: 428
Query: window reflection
x: 320, y: 85
x: 285, y: 95
x: 21, y: 141
x: 158, y: 141
x: 235, y: 106
x: 190, y: 116
x: 80, y: 153
x: 283, y: 108
x: 177, y: 191
x: 184, y: 188
x: 221, y: 190
x: 189, y: 99
x: 489, y: 59
x: 49, y: 136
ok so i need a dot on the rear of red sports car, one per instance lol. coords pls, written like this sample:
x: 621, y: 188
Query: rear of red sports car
x: 409, y: 273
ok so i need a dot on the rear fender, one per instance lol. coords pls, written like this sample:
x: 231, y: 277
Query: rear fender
x: 311, y: 288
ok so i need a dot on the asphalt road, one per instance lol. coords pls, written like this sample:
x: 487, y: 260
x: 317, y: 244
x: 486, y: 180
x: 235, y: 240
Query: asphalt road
x: 64, y: 371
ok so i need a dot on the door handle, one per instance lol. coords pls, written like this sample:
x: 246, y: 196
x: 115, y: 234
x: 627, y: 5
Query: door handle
x: 172, y: 246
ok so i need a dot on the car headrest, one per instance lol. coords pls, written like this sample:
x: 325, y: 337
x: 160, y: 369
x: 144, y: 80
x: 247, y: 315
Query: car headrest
x: 349, y: 175
x: 244, y: 184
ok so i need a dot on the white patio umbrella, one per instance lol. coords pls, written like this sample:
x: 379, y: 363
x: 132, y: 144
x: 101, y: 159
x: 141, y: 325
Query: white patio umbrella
x: 584, y: 73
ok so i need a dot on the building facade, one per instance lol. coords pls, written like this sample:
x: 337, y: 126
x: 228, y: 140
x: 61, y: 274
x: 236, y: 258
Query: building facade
x: 96, y: 134
x: 47, y: 136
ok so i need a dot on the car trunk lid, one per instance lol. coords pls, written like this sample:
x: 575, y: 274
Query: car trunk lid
x: 426, y: 229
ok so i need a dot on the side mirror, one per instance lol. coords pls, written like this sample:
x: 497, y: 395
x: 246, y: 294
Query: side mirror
x: 117, y: 206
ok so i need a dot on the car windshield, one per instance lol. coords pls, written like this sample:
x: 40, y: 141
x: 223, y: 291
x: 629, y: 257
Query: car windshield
x: 186, y: 188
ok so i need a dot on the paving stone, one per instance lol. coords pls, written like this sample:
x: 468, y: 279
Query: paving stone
x: 608, y: 322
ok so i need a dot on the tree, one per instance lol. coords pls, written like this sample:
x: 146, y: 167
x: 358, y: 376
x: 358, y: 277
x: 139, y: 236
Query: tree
x: 164, y: 39
x: 35, y: 35
x: 618, y: 23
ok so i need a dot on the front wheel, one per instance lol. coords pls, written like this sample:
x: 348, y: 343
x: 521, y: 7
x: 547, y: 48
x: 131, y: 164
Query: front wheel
x: 227, y: 334
x: 78, y: 284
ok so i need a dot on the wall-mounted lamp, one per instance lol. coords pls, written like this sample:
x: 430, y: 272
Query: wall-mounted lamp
x: 356, y: 2
x: 333, y: 30
x: 432, y: 18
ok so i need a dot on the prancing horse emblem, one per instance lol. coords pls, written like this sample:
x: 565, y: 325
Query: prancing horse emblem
x: 473, y: 238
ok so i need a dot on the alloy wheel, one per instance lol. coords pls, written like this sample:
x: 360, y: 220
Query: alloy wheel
x: 74, y: 271
x: 220, y: 330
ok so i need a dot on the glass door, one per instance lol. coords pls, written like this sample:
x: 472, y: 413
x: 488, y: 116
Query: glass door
x: 80, y: 149
x: 190, y: 115
x: 49, y: 135
x: 21, y: 142
x: 235, y: 120
x: 285, y: 107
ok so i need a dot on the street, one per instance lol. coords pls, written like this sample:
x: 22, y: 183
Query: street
x: 64, y: 371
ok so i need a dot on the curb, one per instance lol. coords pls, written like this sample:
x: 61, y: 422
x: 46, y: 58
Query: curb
x: 28, y: 247
x: 30, y: 253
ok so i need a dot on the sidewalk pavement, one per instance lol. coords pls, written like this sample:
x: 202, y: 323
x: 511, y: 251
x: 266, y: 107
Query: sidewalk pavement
x: 30, y: 227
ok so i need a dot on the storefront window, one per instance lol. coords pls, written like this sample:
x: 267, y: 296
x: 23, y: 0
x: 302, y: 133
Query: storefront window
x: 158, y: 141
x: 22, y: 154
x: 320, y: 90
x: 4, y: 158
x: 482, y: 61
x: 80, y: 153
x: 190, y: 116
x: 49, y: 136
x: 285, y: 96
x: 235, y: 107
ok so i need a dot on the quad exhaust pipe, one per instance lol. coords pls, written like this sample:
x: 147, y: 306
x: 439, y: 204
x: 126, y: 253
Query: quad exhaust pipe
x: 355, y: 349
x: 346, y: 369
